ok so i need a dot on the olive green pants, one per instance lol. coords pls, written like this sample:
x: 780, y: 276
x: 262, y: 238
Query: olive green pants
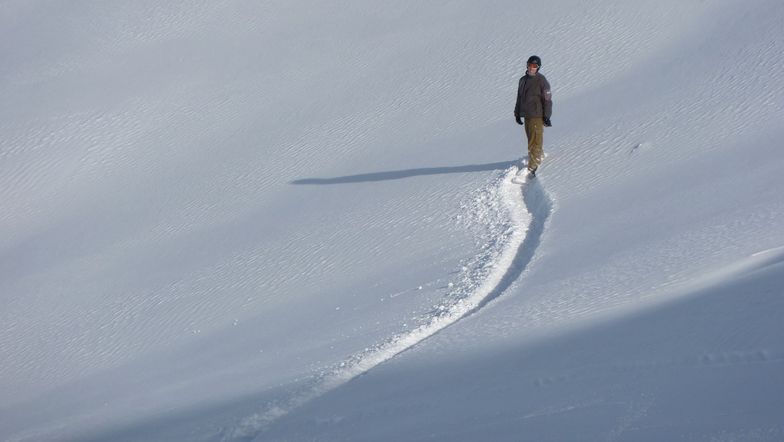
x: 534, y: 130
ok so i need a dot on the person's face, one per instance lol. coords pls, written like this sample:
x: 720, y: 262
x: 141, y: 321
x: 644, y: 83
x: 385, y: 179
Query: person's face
x: 532, y: 68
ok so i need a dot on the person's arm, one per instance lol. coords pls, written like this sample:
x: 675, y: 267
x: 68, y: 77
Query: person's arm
x: 547, y: 102
x: 517, y: 104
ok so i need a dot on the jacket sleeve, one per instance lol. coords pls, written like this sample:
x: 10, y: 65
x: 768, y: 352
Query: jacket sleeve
x: 547, y: 99
x: 517, y: 112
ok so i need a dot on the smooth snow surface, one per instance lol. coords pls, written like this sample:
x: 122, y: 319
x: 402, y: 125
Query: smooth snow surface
x: 295, y: 221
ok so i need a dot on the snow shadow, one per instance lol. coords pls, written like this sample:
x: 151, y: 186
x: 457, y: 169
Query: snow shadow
x: 203, y: 423
x: 657, y: 373
x: 407, y: 173
x: 706, y: 366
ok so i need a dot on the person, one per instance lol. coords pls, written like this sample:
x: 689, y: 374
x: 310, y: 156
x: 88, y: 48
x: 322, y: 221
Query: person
x: 533, y: 109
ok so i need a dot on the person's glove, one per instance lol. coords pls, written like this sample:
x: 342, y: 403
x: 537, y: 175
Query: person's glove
x: 547, y: 123
x: 519, y: 121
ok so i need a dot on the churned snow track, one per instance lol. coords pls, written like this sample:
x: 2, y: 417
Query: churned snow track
x: 539, y: 205
x: 528, y: 208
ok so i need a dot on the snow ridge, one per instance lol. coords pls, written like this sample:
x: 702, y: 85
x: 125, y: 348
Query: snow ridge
x: 527, y: 211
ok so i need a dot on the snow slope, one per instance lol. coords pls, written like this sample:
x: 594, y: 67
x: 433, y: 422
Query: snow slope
x: 293, y: 221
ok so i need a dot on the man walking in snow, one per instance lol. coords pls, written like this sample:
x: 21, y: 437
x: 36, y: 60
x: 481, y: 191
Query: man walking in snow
x: 535, y: 106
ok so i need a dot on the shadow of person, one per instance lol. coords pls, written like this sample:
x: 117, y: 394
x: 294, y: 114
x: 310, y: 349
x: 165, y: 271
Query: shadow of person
x: 408, y: 173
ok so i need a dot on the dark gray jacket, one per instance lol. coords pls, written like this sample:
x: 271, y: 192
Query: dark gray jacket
x: 534, y: 99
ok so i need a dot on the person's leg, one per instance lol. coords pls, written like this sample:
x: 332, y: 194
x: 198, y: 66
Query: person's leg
x: 534, y: 130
